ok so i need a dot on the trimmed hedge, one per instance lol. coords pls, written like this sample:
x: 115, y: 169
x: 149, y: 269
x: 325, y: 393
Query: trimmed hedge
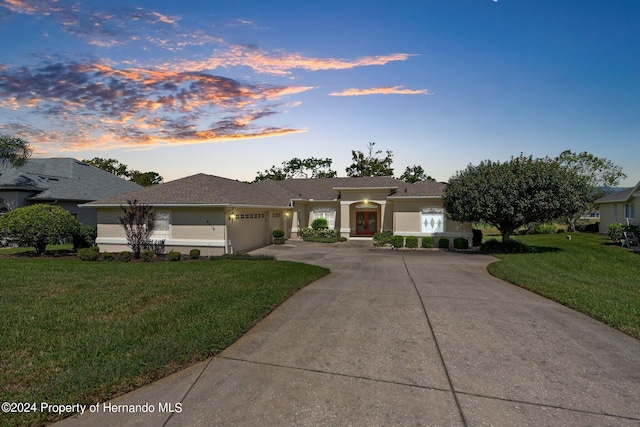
x: 477, y: 237
x: 86, y: 254
x: 174, y: 256
x: 277, y: 233
x: 382, y: 239
x: 427, y: 242
x: 147, y: 256
x: 411, y: 242
x: 460, y: 243
x: 443, y: 243
x: 108, y: 257
x: 397, y: 241
x: 194, y: 254
x: 124, y: 256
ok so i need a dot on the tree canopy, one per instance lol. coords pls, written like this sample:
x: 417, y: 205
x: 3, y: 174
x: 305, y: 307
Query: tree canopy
x: 15, y: 150
x: 512, y: 194
x: 299, y: 168
x: 413, y: 174
x: 601, y: 175
x: 113, y: 166
x: 370, y: 164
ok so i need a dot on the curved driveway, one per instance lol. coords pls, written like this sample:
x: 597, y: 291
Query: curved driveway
x: 405, y: 338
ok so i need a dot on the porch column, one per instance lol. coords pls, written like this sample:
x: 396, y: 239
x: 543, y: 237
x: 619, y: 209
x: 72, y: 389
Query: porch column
x: 383, y: 206
x: 345, y: 219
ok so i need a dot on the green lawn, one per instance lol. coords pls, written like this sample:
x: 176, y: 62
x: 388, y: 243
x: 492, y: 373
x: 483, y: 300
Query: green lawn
x: 81, y: 332
x: 585, y: 273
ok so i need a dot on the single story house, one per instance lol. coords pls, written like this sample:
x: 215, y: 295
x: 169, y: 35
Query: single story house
x: 619, y: 208
x: 65, y: 182
x: 219, y: 215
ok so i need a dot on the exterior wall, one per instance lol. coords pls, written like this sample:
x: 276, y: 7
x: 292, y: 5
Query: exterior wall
x: 211, y: 230
x: 613, y: 213
x: 302, y: 214
x: 18, y: 199
x: 407, y: 220
x: 14, y: 199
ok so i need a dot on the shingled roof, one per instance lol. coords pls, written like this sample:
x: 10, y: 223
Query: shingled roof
x: 62, y: 179
x: 619, y: 196
x: 202, y: 189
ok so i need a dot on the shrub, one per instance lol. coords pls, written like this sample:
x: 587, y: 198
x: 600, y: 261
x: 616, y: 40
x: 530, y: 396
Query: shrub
x: 427, y: 242
x: 124, y: 256
x: 147, y: 256
x: 306, y: 232
x: 95, y: 248
x: 277, y: 234
x: 476, y: 240
x: 194, y: 254
x: 615, y: 232
x: 544, y: 229
x: 279, y: 240
x: 494, y: 246
x: 443, y: 243
x: 243, y: 256
x: 460, y: 243
x: 319, y: 223
x: 383, y: 238
x: 38, y: 225
x: 411, y: 242
x: 86, y: 254
x: 108, y: 257
x: 321, y: 239
x: 138, y: 222
x: 157, y: 246
x: 397, y: 241
x: 174, y: 256
x: 83, y: 237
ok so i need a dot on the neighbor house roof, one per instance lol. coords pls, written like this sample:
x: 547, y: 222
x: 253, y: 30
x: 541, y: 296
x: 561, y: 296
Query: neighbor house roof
x: 619, y: 196
x: 202, y: 189
x: 62, y: 179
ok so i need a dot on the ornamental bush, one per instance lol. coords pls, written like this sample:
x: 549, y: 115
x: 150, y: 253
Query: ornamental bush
x: 124, y: 256
x: 411, y: 242
x: 147, y: 256
x: 277, y: 234
x: 477, y: 237
x: 194, y: 254
x: 108, y: 257
x: 615, y: 232
x: 383, y: 238
x: 84, y: 236
x: 319, y: 223
x: 86, y: 254
x: 397, y: 241
x: 460, y: 243
x: 427, y: 242
x: 174, y: 256
x: 38, y: 225
x: 544, y: 229
x: 443, y: 243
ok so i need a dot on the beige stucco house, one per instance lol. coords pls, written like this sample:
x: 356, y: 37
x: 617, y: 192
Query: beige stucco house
x: 619, y: 208
x: 219, y: 215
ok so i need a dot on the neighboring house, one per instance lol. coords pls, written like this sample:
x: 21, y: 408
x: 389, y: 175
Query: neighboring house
x: 219, y: 215
x: 620, y: 208
x: 64, y: 182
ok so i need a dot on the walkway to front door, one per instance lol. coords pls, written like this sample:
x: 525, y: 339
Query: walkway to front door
x: 366, y: 223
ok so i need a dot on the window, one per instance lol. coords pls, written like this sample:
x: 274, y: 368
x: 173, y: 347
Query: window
x: 629, y: 211
x: 328, y: 213
x: 432, y: 221
x: 162, y: 224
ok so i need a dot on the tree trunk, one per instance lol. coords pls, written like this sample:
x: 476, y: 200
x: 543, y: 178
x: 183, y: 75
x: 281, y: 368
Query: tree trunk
x: 506, y: 235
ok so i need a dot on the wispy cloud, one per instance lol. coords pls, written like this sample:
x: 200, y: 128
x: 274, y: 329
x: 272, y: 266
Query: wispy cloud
x: 98, y: 105
x: 384, y: 90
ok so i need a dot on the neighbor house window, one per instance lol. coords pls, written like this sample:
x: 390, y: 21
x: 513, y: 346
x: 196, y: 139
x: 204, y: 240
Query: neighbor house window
x: 162, y: 224
x: 327, y: 213
x: 432, y: 221
x: 629, y: 211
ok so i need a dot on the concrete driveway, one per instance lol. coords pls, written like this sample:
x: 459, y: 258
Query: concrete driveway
x: 403, y: 338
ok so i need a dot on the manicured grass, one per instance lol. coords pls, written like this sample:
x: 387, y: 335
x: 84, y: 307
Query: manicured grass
x: 585, y: 273
x: 82, y: 332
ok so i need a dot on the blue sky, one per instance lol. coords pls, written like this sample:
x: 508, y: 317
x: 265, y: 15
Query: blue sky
x: 232, y: 88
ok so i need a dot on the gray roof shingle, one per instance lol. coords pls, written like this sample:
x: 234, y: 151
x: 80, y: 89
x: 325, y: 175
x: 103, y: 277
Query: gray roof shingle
x: 62, y: 179
x: 202, y: 189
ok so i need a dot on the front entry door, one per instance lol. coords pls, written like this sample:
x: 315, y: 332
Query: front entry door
x: 366, y: 223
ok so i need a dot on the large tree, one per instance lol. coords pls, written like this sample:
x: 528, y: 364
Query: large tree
x: 15, y: 150
x: 113, y: 166
x: 512, y: 194
x: 413, y: 174
x: 601, y: 175
x: 38, y: 225
x: 370, y: 164
x: 299, y: 168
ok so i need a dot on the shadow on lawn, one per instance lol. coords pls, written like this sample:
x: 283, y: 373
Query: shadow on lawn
x: 544, y: 249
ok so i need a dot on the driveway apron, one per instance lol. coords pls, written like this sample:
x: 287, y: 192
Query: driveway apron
x: 404, y: 338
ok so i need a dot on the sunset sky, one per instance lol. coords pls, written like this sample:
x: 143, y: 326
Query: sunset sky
x: 232, y: 88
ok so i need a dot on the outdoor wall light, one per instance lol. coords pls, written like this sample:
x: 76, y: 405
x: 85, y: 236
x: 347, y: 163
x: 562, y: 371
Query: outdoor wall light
x: 232, y: 216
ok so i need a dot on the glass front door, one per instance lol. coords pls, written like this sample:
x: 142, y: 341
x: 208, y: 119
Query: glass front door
x: 366, y: 223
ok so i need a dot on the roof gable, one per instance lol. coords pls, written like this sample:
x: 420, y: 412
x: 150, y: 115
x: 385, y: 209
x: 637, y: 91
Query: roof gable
x: 620, y: 196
